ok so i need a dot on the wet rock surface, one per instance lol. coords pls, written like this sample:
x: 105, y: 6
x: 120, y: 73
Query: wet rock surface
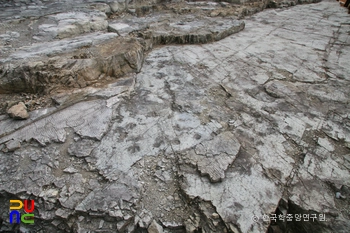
x: 189, y: 138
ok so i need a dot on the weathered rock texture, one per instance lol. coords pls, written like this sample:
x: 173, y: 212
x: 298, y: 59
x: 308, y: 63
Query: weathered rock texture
x: 49, y: 45
x: 88, y: 59
x: 194, y: 138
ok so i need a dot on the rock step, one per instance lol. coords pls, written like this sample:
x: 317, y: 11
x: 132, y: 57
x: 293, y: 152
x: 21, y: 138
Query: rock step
x: 99, y: 57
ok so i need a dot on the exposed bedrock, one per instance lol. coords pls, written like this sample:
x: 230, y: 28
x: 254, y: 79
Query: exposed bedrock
x: 49, y: 45
x: 64, y: 57
x: 91, y: 59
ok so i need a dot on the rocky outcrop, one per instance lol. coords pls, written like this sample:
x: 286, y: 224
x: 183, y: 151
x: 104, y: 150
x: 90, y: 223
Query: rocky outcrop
x: 98, y: 57
x: 59, y: 52
x: 103, y: 57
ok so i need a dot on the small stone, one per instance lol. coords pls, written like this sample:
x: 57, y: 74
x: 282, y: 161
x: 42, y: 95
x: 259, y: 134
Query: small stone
x: 155, y: 228
x: 56, y: 222
x: 215, y: 216
x: 60, y: 98
x: 117, y: 214
x: 338, y: 195
x: 101, y: 224
x: 13, y: 145
x: 18, y: 111
x: 145, y: 221
x: 70, y: 170
x: 62, y: 213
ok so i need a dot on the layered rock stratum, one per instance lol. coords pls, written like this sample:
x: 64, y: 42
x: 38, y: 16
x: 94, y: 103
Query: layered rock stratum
x: 176, y: 116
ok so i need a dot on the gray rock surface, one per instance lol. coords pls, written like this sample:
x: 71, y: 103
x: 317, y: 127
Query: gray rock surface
x: 190, y: 138
x: 67, y: 53
x: 170, y: 29
x: 73, y: 23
